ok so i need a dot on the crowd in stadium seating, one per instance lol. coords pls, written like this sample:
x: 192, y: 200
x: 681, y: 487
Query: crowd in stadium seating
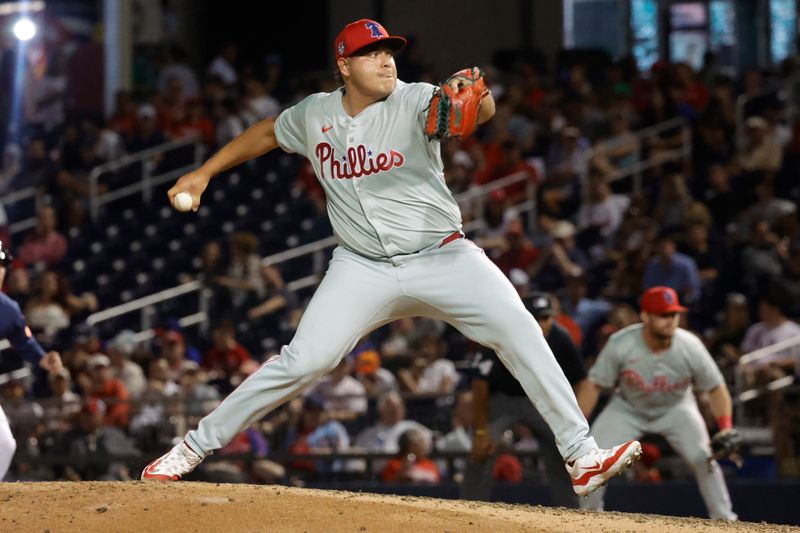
x: 721, y: 230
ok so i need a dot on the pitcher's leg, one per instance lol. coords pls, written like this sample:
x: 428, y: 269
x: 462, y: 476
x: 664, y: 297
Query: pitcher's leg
x: 685, y: 430
x: 355, y: 297
x: 461, y: 282
x: 7, y: 445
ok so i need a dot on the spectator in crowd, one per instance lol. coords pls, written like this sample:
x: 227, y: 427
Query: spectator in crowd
x: 760, y: 153
x: 104, y: 448
x: 44, y: 244
x: 344, y: 397
x: 411, y: 465
x: 120, y: 349
x: 563, y: 258
x: 63, y: 404
x: 226, y: 355
x: 224, y: 65
x: 429, y: 373
x: 18, y: 284
x: 198, y: 396
x: 112, y: 391
x: 146, y: 135
x: 315, y: 433
x: 47, y: 310
x: 229, y: 124
x: 724, y: 340
x: 376, y: 380
x: 761, y: 257
x: 258, y: 104
x: 174, y: 66
x: 603, y: 212
x: 767, y: 206
x: 459, y: 438
x: 244, y: 278
x: 790, y: 279
x: 773, y: 327
x: 275, y: 295
x: 722, y: 199
x: 384, y: 435
x: 519, y: 250
x: 671, y: 268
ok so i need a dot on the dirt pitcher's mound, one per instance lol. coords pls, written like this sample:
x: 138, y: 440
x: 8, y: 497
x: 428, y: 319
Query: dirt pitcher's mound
x: 202, y: 507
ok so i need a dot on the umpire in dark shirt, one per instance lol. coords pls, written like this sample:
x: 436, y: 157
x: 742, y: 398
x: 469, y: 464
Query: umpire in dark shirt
x: 499, y: 403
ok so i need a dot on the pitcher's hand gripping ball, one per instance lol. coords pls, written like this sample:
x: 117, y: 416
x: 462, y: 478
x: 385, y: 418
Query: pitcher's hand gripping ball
x: 454, y: 108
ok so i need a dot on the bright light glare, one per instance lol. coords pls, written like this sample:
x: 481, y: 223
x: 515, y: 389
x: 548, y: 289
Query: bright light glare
x: 24, y: 29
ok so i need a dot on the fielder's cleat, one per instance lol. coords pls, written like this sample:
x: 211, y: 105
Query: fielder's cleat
x: 174, y: 464
x: 594, y: 469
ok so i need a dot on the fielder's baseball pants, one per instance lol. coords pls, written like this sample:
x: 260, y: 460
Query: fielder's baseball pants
x: 685, y: 430
x: 456, y: 283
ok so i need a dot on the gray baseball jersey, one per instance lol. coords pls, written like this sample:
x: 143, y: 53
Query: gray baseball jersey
x: 383, y: 198
x: 652, y: 383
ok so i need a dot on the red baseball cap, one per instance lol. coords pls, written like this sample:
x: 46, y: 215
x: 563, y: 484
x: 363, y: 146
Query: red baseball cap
x: 661, y: 300
x: 361, y: 33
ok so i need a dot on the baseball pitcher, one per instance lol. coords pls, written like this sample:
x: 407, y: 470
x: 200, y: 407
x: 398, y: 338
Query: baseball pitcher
x: 374, y: 145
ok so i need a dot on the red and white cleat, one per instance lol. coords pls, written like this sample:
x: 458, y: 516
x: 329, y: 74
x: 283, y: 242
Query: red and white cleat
x: 594, y: 469
x: 174, y: 464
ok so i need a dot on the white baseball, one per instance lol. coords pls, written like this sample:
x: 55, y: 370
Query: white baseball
x: 182, y: 201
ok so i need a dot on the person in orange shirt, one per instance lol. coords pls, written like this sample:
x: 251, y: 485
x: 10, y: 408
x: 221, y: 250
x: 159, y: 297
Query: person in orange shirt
x: 411, y: 463
x: 110, y: 390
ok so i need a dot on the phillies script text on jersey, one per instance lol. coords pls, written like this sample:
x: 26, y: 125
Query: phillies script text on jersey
x: 659, y: 384
x: 358, y: 162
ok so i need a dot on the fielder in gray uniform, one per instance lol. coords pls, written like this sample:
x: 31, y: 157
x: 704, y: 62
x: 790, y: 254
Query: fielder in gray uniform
x: 654, y: 365
x: 401, y: 253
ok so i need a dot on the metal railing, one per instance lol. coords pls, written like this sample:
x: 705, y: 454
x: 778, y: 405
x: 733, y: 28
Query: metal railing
x: 19, y: 196
x: 149, y: 160
x: 145, y: 305
x: 743, y: 395
x: 637, y: 169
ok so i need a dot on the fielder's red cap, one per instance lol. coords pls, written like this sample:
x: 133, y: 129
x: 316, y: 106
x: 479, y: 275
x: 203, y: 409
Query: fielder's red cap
x: 661, y: 300
x: 361, y: 33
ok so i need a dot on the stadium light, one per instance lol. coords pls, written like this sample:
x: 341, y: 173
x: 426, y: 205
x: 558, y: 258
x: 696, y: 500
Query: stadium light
x: 24, y: 29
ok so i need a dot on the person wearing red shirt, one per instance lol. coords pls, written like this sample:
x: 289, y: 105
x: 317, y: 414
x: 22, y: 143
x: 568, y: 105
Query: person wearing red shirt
x: 110, y: 390
x: 411, y: 463
x: 520, y: 252
x: 44, y: 244
x: 510, y: 162
x: 226, y: 355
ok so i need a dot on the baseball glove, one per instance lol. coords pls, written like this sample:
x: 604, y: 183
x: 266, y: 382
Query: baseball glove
x: 454, y: 108
x: 726, y: 444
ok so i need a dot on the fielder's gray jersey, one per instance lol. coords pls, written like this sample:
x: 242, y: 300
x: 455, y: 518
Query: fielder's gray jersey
x: 652, y: 383
x: 384, y: 181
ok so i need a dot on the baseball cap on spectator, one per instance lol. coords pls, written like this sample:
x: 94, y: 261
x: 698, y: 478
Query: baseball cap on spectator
x: 563, y: 229
x: 539, y: 305
x: 188, y: 366
x: 367, y: 362
x: 83, y: 333
x: 313, y: 403
x: 172, y: 336
x: 124, y: 342
x: 661, y: 300
x: 362, y: 33
x: 146, y: 111
x: 98, y: 359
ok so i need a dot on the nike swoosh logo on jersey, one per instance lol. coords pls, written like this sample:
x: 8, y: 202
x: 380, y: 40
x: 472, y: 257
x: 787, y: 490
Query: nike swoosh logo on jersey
x: 326, y: 129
